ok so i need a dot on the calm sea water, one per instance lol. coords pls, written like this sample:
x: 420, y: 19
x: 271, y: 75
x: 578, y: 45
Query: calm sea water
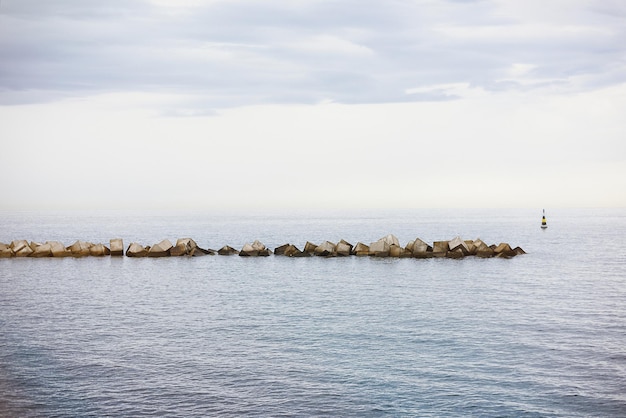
x: 543, y: 334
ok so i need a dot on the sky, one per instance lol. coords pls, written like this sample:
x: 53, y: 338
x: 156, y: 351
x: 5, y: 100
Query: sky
x: 190, y: 104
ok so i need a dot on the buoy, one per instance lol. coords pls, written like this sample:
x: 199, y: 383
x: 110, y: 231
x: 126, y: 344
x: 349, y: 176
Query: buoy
x: 544, y: 224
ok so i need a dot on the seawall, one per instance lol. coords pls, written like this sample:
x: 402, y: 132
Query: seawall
x: 387, y: 246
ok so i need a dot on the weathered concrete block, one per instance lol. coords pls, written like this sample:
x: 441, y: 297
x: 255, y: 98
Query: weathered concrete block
x: 456, y: 253
x: 136, y: 250
x: 99, y: 250
x: 397, y: 252
x: 42, y: 250
x: 326, y: 249
x: 343, y: 249
x: 255, y: 249
x: 5, y: 251
x: 162, y: 249
x: 418, y: 247
x: 504, y: 250
x: 290, y: 250
x: 456, y: 244
x: 58, y: 249
x: 117, y: 247
x: 379, y: 248
x: 440, y: 248
x: 80, y: 248
x: 309, y: 247
x: 227, y: 250
x: 391, y: 240
x: 361, y: 249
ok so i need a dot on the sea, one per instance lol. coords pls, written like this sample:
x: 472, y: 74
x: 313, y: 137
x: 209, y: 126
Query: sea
x: 539, y: 335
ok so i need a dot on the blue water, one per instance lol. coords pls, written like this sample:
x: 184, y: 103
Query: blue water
x: 543, y: 334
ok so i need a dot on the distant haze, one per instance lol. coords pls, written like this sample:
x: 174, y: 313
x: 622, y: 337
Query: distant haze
x: 235, y: 104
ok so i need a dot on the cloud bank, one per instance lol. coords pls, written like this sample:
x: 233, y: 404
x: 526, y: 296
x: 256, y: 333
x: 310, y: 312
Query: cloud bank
x: 226, y: 53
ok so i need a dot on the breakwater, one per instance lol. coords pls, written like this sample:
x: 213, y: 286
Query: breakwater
x: 387, y: 246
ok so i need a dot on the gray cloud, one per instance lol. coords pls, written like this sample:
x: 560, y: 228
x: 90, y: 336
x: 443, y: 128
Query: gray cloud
x: 238, y: 52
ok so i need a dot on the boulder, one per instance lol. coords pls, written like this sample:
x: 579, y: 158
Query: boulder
x: 136, y: 250
x: 343, y: 248
x: 117, y: 247
x: 99, y: 250
x: 471, y: 247
x: 162, y: 249
x: 80, y: 249
x: 326, y: 249
x: 5, y: 251
x: 361, y: 249
x: 227, y: 250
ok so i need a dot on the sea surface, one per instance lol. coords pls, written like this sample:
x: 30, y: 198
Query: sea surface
x: 538, y: 335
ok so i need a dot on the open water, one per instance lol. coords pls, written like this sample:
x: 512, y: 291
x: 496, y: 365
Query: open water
x: 542, y: 334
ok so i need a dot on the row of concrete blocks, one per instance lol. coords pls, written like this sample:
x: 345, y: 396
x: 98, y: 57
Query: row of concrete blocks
x: 387, y: 246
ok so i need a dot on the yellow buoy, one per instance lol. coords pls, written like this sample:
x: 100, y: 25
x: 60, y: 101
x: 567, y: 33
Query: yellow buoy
x: 544, y: 223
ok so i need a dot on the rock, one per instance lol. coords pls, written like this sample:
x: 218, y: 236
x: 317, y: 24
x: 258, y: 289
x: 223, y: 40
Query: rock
x: 227, y: 250
x: 136, y: 250
x: 326, y: 249
x: 343, y: 248
x: 80, y: 249
x: 99, y: 250
x: 519, y: 251
x: 162, y: 249
x: 117, y: 247
x: 361, y: 249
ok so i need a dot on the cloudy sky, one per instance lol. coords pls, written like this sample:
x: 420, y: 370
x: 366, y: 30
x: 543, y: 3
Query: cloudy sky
x: 312, y: 103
